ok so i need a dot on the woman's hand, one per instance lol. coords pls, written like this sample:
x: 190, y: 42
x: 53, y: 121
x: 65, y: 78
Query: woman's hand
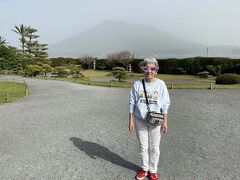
x: 164, y: 126
x: 131, y: 125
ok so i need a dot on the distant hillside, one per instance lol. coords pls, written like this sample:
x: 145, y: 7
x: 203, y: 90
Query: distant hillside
x: 112, y: 36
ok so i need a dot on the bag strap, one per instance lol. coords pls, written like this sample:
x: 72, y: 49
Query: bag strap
x: 147, y: 103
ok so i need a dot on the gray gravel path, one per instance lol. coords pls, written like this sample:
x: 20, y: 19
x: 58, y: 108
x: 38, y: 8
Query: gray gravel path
x: 108, y: 79
x: 69, y: 131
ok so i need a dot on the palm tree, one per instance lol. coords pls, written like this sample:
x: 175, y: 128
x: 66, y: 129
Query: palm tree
x: 2, y: 41
x: 23, y: 31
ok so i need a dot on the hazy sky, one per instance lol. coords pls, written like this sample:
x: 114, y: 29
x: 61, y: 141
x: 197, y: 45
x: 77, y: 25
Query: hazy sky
x: 210, y: 22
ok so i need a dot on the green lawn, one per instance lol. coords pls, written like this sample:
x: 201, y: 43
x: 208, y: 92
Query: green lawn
x: 95, y: 73
x: 165, y: 77
x: 11, y: 91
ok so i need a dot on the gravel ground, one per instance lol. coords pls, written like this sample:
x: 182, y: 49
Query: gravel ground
x: 67, y: 131
x: 108, y: 79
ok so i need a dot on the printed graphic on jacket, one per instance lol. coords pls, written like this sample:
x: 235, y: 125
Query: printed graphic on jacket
x: 152, y: 97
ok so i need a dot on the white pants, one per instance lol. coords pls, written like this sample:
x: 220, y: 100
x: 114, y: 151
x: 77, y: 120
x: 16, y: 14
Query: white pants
x: 149, y: 137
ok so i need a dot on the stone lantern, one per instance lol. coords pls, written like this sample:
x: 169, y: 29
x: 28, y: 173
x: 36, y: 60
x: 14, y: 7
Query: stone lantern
x: 130, y: 68
x: 94, y: 64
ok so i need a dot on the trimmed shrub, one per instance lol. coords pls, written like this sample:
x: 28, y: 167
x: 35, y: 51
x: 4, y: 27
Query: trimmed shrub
x: 60, y: 71
x: 119, y: 73
x: 203, y: 74
x: 33, y: 70
x: 228, y: 79
x: 5, y: 72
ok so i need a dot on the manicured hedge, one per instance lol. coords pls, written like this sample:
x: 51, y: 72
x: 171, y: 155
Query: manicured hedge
x: 190, y: 66
x: 228, y: 79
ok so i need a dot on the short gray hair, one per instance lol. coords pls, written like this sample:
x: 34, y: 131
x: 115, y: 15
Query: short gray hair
x: 150, y: 60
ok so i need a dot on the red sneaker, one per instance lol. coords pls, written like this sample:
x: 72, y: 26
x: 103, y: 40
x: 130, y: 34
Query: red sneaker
x: 141, y: 175
x: 153, y: 176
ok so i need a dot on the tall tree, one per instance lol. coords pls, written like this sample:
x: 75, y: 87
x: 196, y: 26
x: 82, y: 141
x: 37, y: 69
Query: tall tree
x: 23, y: 31
x: 31, y: 43
x: 40, y: 50
x: 8, y: 57
x: 3, y: 41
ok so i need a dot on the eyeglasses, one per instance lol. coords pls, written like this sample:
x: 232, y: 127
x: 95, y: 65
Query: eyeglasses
x: 145, y: 69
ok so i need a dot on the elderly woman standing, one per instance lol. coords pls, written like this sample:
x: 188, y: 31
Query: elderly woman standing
x: 148, y: 135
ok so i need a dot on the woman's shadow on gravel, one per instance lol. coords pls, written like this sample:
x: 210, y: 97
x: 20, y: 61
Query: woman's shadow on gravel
x: 95, y: 150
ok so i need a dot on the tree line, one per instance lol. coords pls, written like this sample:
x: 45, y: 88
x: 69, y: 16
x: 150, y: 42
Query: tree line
x: 191, y: 66
x: 214, y: 65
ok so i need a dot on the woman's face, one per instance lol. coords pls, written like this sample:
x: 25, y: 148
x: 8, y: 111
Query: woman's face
x: 149, y: 71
